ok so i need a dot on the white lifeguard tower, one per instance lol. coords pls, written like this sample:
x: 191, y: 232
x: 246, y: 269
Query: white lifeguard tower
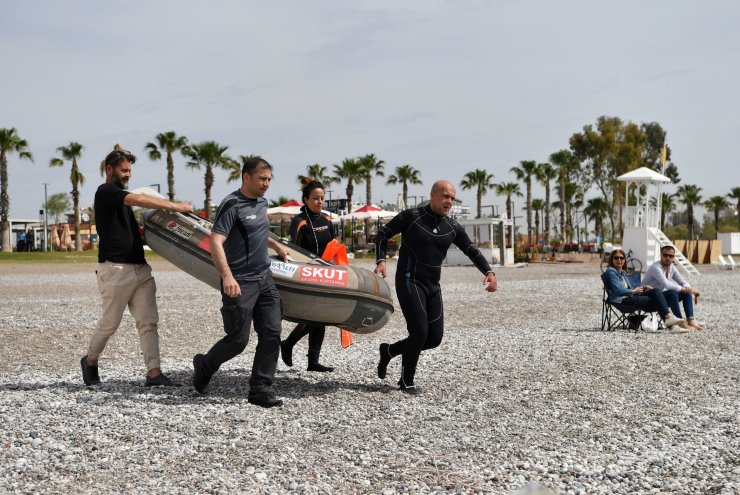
x: 642, y: 232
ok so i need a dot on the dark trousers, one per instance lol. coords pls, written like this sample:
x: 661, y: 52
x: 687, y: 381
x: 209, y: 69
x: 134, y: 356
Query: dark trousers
x: 259, y: 301
x: 673, y: 298
x: 422, y: 308
x: 315, y: 337
x: 650, y: 301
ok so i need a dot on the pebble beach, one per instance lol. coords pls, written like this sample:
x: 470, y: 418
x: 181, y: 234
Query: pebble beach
x: 525, y: 395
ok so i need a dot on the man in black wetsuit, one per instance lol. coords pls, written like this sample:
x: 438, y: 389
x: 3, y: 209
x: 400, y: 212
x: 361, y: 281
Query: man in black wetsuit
x: 426, y: 235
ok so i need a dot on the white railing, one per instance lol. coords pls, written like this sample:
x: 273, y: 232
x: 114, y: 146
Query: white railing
x: 635, y: 216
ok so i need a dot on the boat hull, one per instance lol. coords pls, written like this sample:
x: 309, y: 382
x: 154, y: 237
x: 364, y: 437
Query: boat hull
x: 311, y: 290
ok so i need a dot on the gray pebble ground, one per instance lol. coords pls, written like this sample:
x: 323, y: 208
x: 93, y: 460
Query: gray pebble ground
x: 525, y: 393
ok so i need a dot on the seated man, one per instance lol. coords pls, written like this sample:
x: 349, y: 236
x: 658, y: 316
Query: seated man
x: 620, y: 291
x: 663, y: 276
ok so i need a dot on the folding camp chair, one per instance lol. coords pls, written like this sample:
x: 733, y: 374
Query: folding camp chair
x: 618, y: 315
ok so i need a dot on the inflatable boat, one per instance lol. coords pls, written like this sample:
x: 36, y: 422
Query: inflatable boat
x: 312, y: 290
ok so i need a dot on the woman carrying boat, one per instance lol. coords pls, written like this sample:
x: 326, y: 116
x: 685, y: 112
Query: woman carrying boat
x: 312, y: 230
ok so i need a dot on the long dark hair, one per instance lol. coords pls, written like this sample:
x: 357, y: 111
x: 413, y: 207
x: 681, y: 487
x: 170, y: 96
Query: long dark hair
x: 611, y: 256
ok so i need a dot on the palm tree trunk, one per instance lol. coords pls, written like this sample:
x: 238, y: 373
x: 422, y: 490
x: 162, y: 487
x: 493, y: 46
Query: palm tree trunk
x: 561, y: 193
x: 405, y: 194
x: 510, y: 217
x: 170, y: 177
x: 350, y: 190
x: 368, y: 190
x: 4, y: 205
x: 716, y: 223
x: 209, y: 184
x: 529, y: 209
x: 546, y: 233
x: 76, y: 202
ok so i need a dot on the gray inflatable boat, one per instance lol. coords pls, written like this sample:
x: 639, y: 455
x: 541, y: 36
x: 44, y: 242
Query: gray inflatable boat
x: 312, y: 290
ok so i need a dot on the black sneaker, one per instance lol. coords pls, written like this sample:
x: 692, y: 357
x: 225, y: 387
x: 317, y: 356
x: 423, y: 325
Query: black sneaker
x: 385, y: 358
x: 160, y: 380
x: 264, y: 399
x: 286, y: 352
x: 200, y: 378
x: 89, y: 372
x: 409, y: 389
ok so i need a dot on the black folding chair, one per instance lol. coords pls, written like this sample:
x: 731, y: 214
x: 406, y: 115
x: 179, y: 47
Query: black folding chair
x: 621, y: 315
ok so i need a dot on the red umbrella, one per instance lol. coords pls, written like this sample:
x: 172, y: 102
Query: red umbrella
x: 292, y: 202
x: 367, y: 208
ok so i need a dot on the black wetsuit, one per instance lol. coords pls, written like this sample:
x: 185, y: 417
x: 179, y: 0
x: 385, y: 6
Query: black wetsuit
x: 425, y: 239
x: 313, y: 232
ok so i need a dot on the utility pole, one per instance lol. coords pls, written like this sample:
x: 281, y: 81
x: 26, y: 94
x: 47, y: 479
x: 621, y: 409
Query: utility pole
x: 46, y: 218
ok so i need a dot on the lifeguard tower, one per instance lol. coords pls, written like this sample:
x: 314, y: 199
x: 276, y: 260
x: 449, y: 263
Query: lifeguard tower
x: 642, y: 232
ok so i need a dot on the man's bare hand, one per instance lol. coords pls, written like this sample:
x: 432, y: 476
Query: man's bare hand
x: 490, y: 282
x: 231, y: 287
x: 184, y: 207
x: 380, y: 268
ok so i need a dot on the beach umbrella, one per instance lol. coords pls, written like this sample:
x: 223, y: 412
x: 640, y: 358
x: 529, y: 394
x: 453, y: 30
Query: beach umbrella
x: 282, y: 213
x: 369, y: 212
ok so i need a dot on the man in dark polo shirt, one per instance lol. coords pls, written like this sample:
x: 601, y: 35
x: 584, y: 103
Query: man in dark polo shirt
x: 124, y: 277
x: 239, y: 242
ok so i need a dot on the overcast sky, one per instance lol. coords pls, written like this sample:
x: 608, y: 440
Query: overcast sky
x: 446, y: 86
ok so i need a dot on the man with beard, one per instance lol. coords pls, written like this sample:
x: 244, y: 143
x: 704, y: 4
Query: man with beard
x: 124, y: 277
x: 426, y: 235
x: 239, y: 242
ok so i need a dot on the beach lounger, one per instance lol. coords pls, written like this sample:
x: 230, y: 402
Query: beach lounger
x: 723, y: 264
x: 732, y: 262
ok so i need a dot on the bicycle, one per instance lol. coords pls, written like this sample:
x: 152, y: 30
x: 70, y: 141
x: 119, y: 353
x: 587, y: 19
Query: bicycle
x: 631, y: 265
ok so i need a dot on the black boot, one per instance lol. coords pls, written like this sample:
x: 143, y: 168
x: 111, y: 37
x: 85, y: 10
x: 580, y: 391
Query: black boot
x: 314, y: 365
x: 286, y: 346
x: 286, y: 352
x: 385, y: 358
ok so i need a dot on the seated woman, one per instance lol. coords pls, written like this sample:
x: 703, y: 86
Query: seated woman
x: 619, y: 291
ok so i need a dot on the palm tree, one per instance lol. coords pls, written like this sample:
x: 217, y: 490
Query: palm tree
x: 209, y: 154
x: 716, y: 204
x: 545, y: 174
x: 597, y: 209
x: 508, y: 189
x: 481, y: 181
x: 170, y: 143
x: 405, y: 174
x: 688, y: 194
x: 318, y: 173
x: 735, y: 194
x: 524, y: 172
x: 10, y: 142
x: 370, y: 165
x: 667, y: 205
x: 279, y: 201
x: 565, y: 163
x: 72, y: 153
x: 354, y: 173
x: 537, y: 206
x: 573, y: 201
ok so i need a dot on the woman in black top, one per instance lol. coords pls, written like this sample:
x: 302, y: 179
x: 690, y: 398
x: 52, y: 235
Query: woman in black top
x: 311, y: 230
